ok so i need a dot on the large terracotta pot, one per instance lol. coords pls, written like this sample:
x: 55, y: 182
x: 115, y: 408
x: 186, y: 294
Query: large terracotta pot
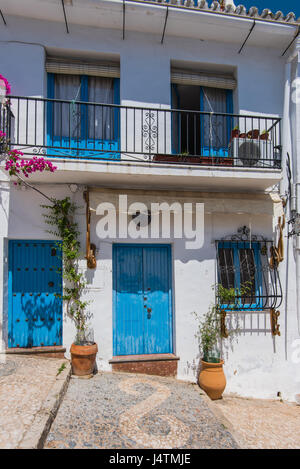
x: 212, y: 379
x: 83, y: 359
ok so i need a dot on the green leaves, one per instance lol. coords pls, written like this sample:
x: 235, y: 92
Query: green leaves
x: 60, y: 215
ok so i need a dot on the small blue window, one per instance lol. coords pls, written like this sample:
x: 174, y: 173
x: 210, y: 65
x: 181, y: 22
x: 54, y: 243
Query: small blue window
x: 239, y: 268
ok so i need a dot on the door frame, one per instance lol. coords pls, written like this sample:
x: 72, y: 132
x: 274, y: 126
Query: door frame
x: 171, y: 296
x: 10, y: 282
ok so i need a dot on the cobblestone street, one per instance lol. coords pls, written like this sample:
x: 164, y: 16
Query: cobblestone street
x: 25, y: 383
x: 115, y: 410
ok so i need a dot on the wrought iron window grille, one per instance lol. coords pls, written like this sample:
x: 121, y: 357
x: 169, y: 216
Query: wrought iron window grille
x: 246, y: 270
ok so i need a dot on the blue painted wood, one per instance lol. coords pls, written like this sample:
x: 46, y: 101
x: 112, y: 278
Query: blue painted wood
x: 157, y: 295
x: 142, y: 299
x: 218, y: 151
x: 128, y: 298
x: 83, y: 145
x: 35, y: 278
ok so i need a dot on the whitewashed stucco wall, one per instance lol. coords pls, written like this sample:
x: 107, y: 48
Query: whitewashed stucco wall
x: 256, y: 364
x: 144, y: 62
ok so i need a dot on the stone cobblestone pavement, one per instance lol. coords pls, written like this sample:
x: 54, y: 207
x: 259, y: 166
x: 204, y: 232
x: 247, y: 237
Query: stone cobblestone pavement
x: 24, y: 384
x: 117, y: 410
x: 262, y: 423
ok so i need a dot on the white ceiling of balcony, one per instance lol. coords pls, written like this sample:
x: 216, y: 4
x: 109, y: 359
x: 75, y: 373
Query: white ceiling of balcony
x: 149, y: 18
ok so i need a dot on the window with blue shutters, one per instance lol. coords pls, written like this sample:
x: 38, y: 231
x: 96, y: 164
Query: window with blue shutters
x: 206, y: 133
x: 82, y: 119
x: 239, y: 268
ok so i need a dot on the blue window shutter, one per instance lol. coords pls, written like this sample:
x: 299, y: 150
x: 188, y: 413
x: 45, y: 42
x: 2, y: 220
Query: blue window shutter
x: 116, y: 90
x: 116, y: 110
x: 229, y: 110
x: 229, y: 102
x: 50, y: 85
x: 50, y: 95
x: 84, y: 96
x: 176, y: 128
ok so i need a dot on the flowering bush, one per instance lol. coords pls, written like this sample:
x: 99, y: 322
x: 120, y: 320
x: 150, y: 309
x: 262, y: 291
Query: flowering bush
x: 7, y: 85
x: 2, y: 136
x: 15, y: 165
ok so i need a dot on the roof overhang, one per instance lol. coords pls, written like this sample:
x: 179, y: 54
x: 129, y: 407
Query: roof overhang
x: 150, y: 17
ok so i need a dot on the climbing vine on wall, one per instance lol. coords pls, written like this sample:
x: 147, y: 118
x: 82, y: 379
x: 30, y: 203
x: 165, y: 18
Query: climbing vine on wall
x: 60, y: 215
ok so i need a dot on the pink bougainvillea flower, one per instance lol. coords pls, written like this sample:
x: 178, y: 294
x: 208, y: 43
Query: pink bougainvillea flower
x: 7, y: 85
x: 15, y: 164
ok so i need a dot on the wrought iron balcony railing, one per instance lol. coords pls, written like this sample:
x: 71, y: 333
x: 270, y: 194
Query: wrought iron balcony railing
x: 83, y: 130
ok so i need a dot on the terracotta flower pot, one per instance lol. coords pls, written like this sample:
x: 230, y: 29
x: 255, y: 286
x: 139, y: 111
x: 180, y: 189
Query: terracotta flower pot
x: 264, y: 136
x: 212, y: 379
x: 83, y: 359
x: 254, y: 134
x: 235, y: 133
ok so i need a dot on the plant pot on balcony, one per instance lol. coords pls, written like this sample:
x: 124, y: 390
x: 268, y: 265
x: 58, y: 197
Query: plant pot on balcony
x: 264, y: 136
x: 177, y: 159
x: 235, y: 133
x: 212, y: 379
x: 254, y: 134
x: 83, y: 358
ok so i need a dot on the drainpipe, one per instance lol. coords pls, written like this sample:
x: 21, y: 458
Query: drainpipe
x: 295, y: 190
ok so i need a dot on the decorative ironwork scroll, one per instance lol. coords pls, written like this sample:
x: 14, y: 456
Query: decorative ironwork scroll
x: 274, y: 315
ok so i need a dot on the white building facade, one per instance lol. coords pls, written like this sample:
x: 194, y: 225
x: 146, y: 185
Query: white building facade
x: 157, y: 103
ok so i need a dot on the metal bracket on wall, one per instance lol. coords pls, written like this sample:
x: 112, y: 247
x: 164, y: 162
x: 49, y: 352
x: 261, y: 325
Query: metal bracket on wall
x: 65, y: 16
x: 123, y: 20
x: 292, y: 41
x: 249, y: 34
x: 90, y: 247
x: 165, y: 25
x: 274, y: 315
x: 2, y: 16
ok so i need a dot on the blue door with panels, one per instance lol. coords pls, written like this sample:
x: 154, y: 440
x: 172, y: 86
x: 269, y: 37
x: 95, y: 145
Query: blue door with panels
x: 142, y: 290
x: 35, y: 291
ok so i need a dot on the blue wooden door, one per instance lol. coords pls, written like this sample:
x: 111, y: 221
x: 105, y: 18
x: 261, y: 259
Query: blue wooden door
x: 142, y: 299
x: 35, y: 289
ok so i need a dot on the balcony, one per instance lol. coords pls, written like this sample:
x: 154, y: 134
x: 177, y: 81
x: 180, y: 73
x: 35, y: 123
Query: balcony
x: 127, y: 141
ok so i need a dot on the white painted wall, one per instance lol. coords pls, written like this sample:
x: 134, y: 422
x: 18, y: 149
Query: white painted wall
x: 256, y: 365
x: 144, y: 62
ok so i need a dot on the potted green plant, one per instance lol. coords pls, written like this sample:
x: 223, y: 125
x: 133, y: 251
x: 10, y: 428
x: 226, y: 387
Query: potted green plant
x: 83, y: 349
x: 211, y: 377
x: 235, y: 133
x: 211, y: 331
x: 264, y: 135
x: 253, y: 134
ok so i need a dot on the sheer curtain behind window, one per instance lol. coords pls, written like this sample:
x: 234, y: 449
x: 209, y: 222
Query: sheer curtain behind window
x: 215, y: 129
x: 67, y: 116
x: 101, y: 118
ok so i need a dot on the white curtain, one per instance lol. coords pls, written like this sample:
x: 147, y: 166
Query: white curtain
x: 67, y: 116
x: 101, y: 118
x: 215, y: 128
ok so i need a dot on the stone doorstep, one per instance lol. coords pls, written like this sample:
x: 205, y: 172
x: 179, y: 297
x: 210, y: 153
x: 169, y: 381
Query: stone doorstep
x: 37, y: 433
x: 158, y: 365
x: 53, y: 351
